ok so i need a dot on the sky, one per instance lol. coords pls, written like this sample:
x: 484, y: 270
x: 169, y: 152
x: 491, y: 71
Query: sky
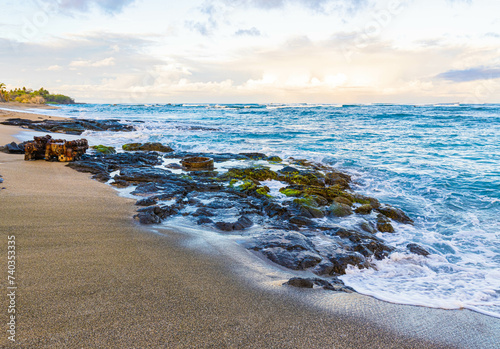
x: 254, y: 51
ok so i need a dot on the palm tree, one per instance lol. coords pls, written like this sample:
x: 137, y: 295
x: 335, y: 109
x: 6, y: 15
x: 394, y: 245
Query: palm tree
x: 3, y: 92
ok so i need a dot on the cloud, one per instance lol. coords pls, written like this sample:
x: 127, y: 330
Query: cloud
x: 492, y: 35
x: 205, y: 28
x: 76, y: 60
x: 471, y: 74
x: 108, y: 6
x: 106, y: 62
x: 315, y: 5
x: 55, y: 67
x: 250, y: 32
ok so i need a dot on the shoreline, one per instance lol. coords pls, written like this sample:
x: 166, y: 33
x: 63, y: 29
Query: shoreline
x: 204, y: 295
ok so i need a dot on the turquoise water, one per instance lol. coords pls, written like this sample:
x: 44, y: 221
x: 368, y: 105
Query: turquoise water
x: 439, y: 163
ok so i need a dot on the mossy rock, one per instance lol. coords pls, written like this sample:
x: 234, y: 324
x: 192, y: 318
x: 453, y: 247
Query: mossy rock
x: 338, y: 178
x: 383, y: 224
x: 147, y: 147
x: 264, y: 191
x: 102, y: 149
x: 306, y: 201
x: 340, y: 210
x: 335, y: 191
x: 291, y: 192
x: 321, y: 200
x: 304, y: 178
x: 247, y: 185
x: 302, y: 162
x: 274, y: 159
x: 343, y: 200
x: 232, y: 182
x: 314, y: 212
x: 258, y: 174
x: 364, y: 209
x: 385, y: 227
x: 309, y: 206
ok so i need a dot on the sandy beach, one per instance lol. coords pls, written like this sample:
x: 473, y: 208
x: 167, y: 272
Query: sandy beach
x: 89, y: 277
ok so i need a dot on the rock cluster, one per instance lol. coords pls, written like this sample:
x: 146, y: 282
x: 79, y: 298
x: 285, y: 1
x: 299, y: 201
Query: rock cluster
x: 302, y: 229
x: 74, y: 127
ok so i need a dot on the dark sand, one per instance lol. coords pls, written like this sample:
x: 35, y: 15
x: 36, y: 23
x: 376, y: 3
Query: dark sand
x: 89, y: 277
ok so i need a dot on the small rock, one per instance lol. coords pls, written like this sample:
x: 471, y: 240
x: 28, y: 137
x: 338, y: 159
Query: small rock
x: 13, y: 148
x: 342, y: 260
x: 337, y: 178
x: 340, y: 210
x: 102, y: 149
x: 384, y: 225
x: 254, y: 156
x: 147, y: 218
x: 242, y: 223
x: 274, y: 159
x: 417, y: 249
x: 364, y: 209
x: 174, y: 166
x: 301, y: 221
x: 395, y: 213
x: 289, y: 170
x: 204, y: 220
x: 203, y: 211
x: 101, y: 177
x: 300, y: 282
x: 296, y: 260
x: 343, y: 200
x: 146, y: 202
x: 145, y: 188
x: 120, y: 183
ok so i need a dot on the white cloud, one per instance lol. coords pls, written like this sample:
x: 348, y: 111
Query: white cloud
x: 54, y: 67
x: 106, y: 62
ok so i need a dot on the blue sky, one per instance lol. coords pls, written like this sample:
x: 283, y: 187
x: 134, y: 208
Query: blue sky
x: 241, y: 51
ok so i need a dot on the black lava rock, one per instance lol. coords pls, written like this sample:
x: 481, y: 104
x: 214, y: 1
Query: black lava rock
x: 417, y: 249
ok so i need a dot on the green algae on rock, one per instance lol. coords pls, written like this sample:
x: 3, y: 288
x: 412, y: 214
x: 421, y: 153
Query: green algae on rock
x: 102, y: 149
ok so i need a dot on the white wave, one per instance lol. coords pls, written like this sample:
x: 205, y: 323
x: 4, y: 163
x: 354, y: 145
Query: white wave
x: 428, y: 281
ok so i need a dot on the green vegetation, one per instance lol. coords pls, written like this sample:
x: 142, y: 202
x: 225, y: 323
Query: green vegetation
x: 41, y: 96
x: 102, y: 149
x: 291, y: 192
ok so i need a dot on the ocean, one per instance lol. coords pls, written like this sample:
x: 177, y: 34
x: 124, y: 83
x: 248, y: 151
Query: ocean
x: 439, y: 163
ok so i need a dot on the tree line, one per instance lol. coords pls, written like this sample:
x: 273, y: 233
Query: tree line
x: 27, y: 95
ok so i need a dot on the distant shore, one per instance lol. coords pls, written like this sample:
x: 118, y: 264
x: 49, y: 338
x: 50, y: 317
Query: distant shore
x: 88, y: 276
x: 22, y: 106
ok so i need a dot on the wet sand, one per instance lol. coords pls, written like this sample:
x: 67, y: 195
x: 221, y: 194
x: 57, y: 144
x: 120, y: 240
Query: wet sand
x: 89, y: 277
